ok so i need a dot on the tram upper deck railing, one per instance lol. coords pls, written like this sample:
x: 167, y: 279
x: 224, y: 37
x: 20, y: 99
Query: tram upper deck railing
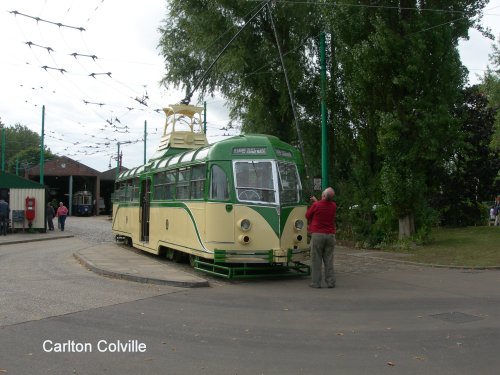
x: 183, y: 128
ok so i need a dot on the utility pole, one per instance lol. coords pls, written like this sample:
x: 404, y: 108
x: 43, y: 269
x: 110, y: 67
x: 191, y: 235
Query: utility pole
x: 324, y: 129
x: 3, y: 149
x: 119, y: 158
x: 145, y: 136
x: 205, y: 117
x: 42, y: 161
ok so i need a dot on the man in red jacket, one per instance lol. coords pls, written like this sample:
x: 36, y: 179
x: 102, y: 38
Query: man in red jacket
x: 321, y: 218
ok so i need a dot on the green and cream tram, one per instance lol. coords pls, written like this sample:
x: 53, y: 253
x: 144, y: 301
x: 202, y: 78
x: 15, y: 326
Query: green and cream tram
x: 234, y: 207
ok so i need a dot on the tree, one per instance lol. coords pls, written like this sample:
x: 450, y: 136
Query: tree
x: 467, y: 178
x: 491, y: 86
x: 394, y: 78
x: 22, y: 145
x: 26, y: 159
x: 402, y: 83
x: 249, y: 73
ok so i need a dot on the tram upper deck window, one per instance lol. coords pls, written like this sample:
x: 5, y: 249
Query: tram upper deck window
x: 255, y: 181
x: 289, y: 183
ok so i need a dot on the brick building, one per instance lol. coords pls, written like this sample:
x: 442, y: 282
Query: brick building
x: 64, y: 176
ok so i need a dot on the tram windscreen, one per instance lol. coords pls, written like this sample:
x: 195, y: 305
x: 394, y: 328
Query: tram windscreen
x: 289, y: 183
x: 255, y: 181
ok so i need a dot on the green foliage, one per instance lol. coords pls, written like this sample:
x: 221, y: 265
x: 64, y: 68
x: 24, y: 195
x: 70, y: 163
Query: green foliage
x: 468, y: 176
x: 491, y: 85
x: 26, y: 159
x: 18, y: 141
x: 394, y: 80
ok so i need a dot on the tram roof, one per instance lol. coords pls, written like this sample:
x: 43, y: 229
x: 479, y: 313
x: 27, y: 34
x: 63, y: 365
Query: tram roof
x: 253, y: 146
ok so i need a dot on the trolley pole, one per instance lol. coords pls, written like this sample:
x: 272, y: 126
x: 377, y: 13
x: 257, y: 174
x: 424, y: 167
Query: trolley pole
x: 42, y: 161
x: 324, y: 130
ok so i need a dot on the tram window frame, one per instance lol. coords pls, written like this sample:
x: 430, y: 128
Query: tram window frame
x: 164, y: 186
x: 284, y: 169
x: 159, y: 185
x: 182, y: 186
x: 251, y: 187
x: 134, y: 196
x: 170, y: 184
x: 197, y: 178
x: 86, y: 199
x: 122, y: 197
x: 221, y: 186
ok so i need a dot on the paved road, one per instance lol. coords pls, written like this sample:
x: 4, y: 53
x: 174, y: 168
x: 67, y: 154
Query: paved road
x: 383, y: 318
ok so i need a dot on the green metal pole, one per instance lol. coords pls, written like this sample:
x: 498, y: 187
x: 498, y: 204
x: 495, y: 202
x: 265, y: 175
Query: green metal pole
x: 324, y: 130
x: 42, y: 161
x: 205, y: 117
x: 145, y: 135
x: 117, y: 161
x: 17, y: 167
x: 3, y: 149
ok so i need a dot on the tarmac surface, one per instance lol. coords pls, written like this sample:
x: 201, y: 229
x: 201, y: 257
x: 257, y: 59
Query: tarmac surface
x: 119, y: 261
x: 385, y: 315
x: 115, y: 260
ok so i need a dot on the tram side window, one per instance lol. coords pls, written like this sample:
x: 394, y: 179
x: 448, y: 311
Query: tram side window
x: 123, y: 192
x: 182, y: 191
x: 219, y: 189
x: 128, y: 191
x: 164, y: 185
x: 170, y: 185
x: 159, y: 184
x: 135, y: 189
x: 289, y: 183
x: 197, y: 181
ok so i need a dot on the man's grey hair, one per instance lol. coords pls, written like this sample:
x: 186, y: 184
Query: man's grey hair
x: 329, y: 193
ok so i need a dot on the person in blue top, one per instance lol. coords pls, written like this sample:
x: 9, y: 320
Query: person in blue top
x: 4, y: 217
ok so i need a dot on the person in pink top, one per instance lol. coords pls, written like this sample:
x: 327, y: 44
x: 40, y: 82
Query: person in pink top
x: 61, y: 214
x: 321, y: 219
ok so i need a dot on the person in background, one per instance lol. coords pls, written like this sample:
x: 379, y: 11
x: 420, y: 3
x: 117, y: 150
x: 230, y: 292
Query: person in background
x: 321, y: 219
x: 50, y: 216
x: 4, y: 217
x: 62, y: 212
x: 496, y: 210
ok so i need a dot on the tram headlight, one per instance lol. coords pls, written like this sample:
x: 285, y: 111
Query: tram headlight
x: 245, y: 225
x: 299, y: 224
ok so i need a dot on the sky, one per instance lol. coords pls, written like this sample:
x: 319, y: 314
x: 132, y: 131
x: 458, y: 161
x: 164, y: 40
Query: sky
x: 95, y: 67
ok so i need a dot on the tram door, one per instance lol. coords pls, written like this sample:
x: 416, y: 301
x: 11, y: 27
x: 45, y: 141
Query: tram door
x: 144, y: 214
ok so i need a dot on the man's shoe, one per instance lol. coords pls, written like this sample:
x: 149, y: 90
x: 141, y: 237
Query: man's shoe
x: 331, y: 286
x: 314, y: 286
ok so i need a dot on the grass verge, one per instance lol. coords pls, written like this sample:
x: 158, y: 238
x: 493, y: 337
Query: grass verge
x: 468, y: 247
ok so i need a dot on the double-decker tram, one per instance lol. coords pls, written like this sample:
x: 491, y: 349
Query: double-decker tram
x: 235, y: 207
